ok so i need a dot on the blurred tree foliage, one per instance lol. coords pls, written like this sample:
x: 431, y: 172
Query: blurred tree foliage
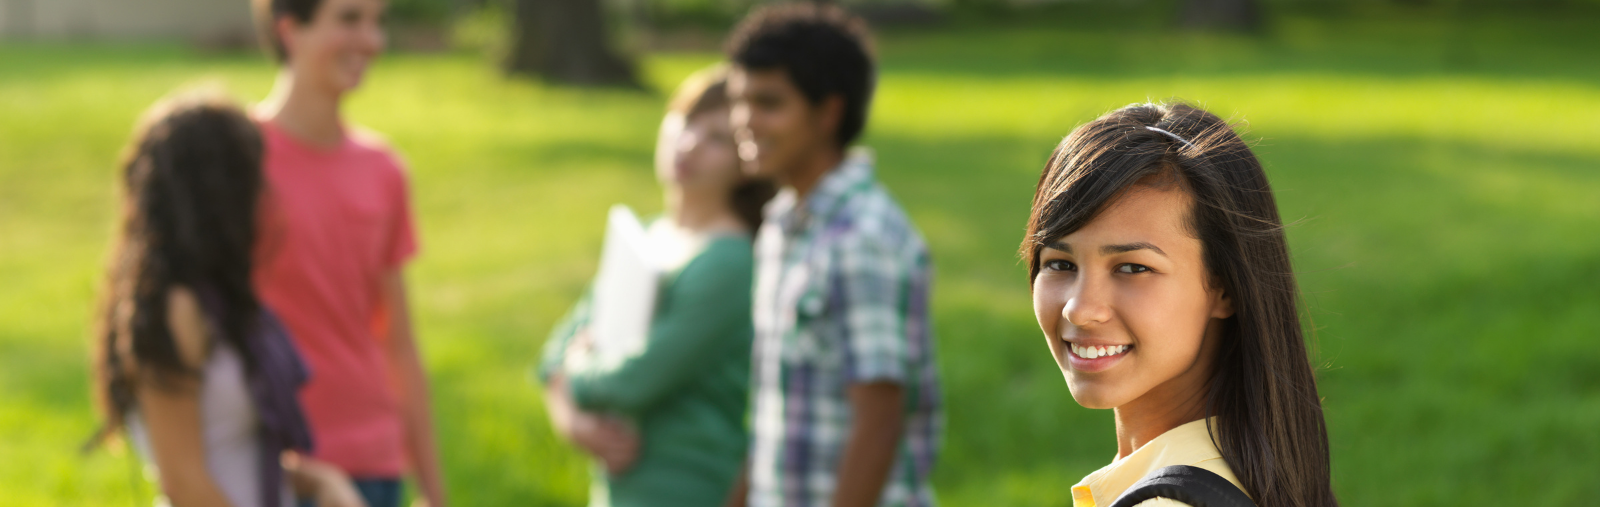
x: 719, y: 14
x: 597, y: 45
x: 1235, y: 15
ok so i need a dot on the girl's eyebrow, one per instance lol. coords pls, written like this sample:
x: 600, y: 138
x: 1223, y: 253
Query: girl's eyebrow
x: 1129, y: 247
x: 1112, y: 249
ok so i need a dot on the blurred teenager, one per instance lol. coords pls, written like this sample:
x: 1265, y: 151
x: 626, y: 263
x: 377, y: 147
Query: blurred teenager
x: 666, y: 424
x: 336, y: 237
x: 846, y: 402
x: 189, y: 364
x: 1162, y: 283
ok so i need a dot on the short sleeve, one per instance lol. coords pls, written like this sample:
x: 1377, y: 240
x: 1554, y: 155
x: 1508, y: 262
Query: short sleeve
x: 402, y: 228
x: 873, y: 283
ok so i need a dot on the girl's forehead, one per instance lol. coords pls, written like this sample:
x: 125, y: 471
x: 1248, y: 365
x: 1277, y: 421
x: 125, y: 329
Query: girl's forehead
x: 1140, y: 211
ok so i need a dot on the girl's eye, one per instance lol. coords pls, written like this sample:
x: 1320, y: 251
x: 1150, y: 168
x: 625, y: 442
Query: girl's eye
x: 1132, y: 269
x: 1059, y: 265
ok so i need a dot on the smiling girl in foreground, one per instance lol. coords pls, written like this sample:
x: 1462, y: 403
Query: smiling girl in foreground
x: 1162, y: 283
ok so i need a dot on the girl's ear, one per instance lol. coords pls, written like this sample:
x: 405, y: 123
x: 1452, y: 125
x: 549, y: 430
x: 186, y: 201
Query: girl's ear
x: 1221, y: 305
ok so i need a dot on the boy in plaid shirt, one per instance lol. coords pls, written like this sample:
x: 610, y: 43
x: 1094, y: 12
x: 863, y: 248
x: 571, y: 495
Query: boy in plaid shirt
x: 846, y: 394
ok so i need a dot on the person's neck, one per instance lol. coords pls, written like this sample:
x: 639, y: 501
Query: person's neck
x: 1155, y: 413
x: 701, y: 215
x: 307, y: 114
x: 809, y: 174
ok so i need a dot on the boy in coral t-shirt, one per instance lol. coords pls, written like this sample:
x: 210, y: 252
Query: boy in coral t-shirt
x: 335, y: 236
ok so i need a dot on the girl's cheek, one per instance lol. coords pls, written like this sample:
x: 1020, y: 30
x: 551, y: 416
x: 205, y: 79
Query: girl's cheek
x: 1047, y: 306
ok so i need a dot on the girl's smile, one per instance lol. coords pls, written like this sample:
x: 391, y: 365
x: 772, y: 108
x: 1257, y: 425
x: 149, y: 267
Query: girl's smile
x: 1089, y: 357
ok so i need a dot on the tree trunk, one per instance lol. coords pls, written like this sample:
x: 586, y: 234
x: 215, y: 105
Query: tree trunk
x: 1237, y: 15
x: 566, y: 41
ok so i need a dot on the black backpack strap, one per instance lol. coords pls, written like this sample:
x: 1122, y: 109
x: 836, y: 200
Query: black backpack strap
x: 1195, y: 486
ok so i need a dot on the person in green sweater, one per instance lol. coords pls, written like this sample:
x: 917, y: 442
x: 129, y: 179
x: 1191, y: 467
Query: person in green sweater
x: 666, y: 425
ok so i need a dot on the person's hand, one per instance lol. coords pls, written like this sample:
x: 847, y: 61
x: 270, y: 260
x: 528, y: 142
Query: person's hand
x: 583, y: 341
x: 578, y: 349
x: 340, y: 493
x: 612, y: 441
x: 328, y: 485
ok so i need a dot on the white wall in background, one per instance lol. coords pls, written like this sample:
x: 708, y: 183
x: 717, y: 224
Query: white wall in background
x: 205, y: 20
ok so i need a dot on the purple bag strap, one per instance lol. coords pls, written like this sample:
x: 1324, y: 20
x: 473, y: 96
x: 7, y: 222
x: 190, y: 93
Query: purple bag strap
x: 275, y: 373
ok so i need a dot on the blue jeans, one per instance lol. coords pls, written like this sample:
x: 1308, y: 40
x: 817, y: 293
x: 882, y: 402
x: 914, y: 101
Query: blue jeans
x: 377, y: 492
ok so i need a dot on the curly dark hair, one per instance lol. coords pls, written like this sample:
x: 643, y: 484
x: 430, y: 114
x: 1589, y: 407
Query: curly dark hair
x: 191, y: 179
x: 825, y: 51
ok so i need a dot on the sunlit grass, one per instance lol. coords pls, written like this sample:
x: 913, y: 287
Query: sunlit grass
x: 1446, y: 216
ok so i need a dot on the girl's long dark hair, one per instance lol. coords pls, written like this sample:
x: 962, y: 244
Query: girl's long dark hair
x: 1269, y: 424
x: 190, y: 184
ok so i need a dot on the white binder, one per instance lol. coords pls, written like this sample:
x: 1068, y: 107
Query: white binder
x: 625, y: 289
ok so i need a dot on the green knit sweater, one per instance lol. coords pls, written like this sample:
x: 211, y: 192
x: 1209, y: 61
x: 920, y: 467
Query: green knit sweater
x: 687, y: 389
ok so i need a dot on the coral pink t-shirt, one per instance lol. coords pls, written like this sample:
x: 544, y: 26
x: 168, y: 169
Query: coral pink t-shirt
x: 334, y: 222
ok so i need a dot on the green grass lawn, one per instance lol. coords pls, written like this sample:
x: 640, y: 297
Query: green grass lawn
x: 1443, y: 181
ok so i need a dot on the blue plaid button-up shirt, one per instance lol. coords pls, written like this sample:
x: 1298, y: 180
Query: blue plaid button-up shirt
x: 842, y: 287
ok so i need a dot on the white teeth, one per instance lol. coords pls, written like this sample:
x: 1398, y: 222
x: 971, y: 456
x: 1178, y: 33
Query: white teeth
x: 1097, y: 352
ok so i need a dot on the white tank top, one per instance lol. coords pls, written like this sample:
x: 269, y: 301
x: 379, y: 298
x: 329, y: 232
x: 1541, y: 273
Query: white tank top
x: 230, y: 427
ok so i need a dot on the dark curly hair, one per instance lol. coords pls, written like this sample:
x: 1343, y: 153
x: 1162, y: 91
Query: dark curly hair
x: 825, y: 51
x: 190, y: 184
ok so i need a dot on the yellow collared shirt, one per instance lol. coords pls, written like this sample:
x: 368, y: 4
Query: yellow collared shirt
x: 1189, y: 444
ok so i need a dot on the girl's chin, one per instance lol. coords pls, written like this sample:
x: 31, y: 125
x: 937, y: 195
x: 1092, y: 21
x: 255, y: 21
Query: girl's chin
x: 700, y: 185
x: 1090, y: 396
x: 1092, y: 402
